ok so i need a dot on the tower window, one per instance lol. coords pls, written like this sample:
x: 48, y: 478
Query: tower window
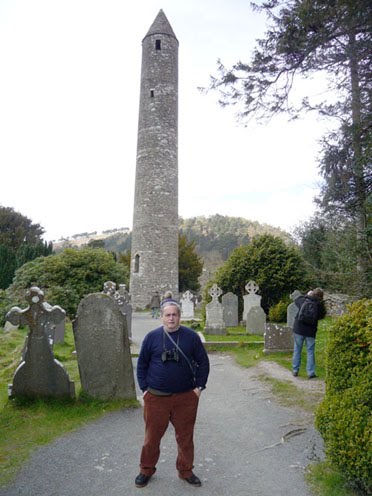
x: 158, y: 44
x: 136, y: 263
x: 152, y: 93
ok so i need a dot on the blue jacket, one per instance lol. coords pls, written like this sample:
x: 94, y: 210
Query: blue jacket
x: 172, y: 376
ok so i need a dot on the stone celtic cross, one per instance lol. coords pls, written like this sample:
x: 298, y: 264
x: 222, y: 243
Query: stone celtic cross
x: 39, y: 374
x: 37, y: 314
x: 252, y: 287
x: 215, y: 292
x: 187, y: 295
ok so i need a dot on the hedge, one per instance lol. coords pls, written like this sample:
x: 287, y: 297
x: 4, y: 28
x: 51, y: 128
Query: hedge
x: 344, y: 418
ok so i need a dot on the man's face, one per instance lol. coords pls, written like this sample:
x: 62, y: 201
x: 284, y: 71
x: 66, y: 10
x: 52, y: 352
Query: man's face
x: 171, y: 318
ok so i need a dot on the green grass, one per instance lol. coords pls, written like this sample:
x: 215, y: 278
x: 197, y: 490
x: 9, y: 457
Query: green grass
x: 289, y: 395
x: 26, y: 425
x: 325, y: 480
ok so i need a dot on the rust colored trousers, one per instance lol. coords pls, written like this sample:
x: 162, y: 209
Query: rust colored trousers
x: 180, y: 410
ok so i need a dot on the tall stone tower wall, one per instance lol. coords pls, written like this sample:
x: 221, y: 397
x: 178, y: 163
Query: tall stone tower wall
x: 154, y: 264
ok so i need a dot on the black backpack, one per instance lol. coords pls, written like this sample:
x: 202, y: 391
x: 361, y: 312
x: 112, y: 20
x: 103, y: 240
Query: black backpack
x: 308, y: 313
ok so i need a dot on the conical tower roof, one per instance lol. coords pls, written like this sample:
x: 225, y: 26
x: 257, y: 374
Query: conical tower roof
x: 161, y: 26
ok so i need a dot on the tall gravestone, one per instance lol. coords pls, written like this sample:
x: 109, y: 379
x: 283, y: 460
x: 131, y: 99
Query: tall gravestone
x: 252, y: 299
x: 230, y: 309
x: 102, y: 347
x: 214, y: 323
x: 39, y: 375
x: 292, y: 309
x: 187, y: 305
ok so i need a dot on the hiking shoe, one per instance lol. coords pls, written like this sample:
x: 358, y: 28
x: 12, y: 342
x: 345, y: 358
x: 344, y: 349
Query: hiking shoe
x: 193, y: 480
x: 295, y: 373
x: 312, y: 376
x: 142, y: 480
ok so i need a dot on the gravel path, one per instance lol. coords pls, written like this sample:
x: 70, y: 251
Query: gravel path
x: 246, y: 444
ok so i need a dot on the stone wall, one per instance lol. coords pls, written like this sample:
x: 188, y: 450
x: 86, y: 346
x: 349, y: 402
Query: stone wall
x: 336, y: 303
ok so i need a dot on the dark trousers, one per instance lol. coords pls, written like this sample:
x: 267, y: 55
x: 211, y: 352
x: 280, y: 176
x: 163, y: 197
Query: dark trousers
x: 180, y: 409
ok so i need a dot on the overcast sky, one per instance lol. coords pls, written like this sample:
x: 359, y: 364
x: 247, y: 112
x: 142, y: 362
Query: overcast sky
x: 69, y: 97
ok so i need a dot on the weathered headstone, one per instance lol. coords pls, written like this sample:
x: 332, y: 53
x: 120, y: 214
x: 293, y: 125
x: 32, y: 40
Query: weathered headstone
x: 55, y: 332
x: 122, y: 298
x: 214, y: 313
x: 126, y: 309
x: 278, y: 338
x: 292, y: 308
x: 256, y: 320
x: 102, y: 347
x: 59, y: 332
x: 252, y: 299
x: 230, y: 309
x: 39, y: 375
x: 187, y: 305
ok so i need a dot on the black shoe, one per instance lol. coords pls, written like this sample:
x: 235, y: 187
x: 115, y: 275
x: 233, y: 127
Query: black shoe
x: 142, y: 480
x: 295, y: 373
x: 193, y: 480
x: 312, y: 376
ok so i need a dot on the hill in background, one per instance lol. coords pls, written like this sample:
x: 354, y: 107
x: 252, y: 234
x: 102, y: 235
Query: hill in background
x: 215, y: 237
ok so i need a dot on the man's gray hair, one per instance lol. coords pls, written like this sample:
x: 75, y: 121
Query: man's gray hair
x: 170, y: 303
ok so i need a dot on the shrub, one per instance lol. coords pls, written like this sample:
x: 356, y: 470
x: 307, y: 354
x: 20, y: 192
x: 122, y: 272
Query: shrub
x: 278, y: 312
x: 68, y: 276
x: 344, y: 417
x: 5, y: 305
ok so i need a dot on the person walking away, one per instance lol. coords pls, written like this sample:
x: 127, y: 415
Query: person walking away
x: 155, y: 304
x: 311, y: 310
x: 172, y: 371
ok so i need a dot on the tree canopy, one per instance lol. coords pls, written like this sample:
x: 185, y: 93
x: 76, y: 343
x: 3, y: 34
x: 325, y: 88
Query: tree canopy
x: 68, y: 276
x: 20, y: 241
x: 277, y: 268
x: 190, y: 265
x: 308, y: 38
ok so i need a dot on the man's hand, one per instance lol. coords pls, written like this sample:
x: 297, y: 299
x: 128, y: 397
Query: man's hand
x: 197, y: 391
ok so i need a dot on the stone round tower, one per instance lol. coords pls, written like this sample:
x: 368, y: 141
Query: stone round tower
x: 154, y: 252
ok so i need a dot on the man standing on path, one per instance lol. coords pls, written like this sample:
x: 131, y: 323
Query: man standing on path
x: 172, y: 371
x: 311, y: 309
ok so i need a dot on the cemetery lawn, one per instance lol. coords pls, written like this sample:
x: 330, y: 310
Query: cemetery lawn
x: 26, y: 425
x: 250, y: 349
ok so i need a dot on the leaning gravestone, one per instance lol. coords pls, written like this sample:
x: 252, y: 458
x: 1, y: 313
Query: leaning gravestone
x: 278, y: 338
x: 252, y: 299
x: 39, y: 375
x: 230, y: 309
x: 187, y: 305
x: 256, y: 321
x: 292, y: 309
x: 102, y: 347
x: 214, y: 323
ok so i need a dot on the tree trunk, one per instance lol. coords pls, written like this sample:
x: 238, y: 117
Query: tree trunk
x: 358, y: 169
